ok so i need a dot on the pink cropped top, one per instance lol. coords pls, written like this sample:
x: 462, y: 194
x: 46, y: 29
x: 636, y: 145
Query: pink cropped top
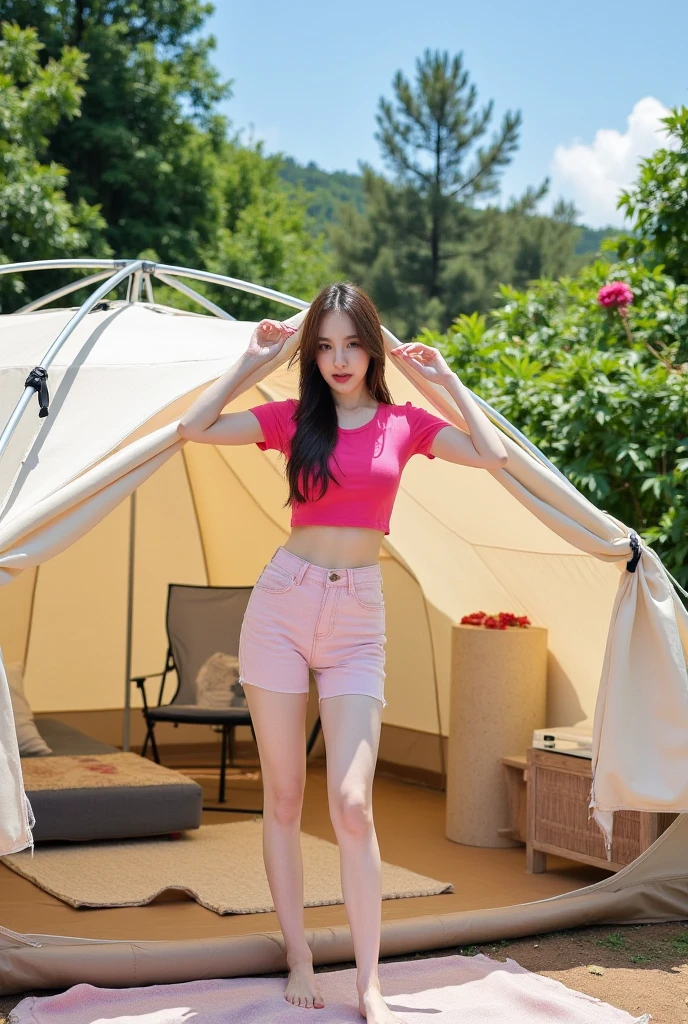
x: 369, y: 461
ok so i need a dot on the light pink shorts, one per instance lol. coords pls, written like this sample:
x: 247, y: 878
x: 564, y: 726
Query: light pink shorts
x: 301, y: 615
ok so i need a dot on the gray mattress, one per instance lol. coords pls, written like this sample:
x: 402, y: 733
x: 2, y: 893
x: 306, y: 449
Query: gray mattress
x: 125, y: 812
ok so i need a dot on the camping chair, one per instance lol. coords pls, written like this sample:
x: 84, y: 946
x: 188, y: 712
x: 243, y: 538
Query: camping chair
x: 200, y: 620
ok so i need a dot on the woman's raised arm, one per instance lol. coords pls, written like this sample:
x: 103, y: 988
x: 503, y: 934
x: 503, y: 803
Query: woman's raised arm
x: 202, y: 420
x: 482, y: 444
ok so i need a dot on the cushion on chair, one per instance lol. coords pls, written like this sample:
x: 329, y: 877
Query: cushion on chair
x: 198, y: 715
x: 217, y: 682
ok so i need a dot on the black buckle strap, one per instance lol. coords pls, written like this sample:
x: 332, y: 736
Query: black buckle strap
x: 635, y: 548
x: 38, y: 379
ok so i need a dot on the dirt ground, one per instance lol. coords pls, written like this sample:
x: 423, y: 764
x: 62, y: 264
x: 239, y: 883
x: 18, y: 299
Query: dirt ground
x: 639, y: 968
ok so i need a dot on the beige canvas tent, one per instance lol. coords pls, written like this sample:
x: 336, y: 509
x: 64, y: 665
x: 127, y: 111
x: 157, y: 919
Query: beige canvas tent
x: 102, y: 504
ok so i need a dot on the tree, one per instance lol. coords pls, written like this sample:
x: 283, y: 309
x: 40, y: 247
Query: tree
x: 152, y: 151
x: 263, y: 235
x: 487, y: 246
x: 518, y: 245
x: 427, y: 140
x: 146, y: 144
x: 423, y: 249
x: 603, y: 395
x: 384, y: 250
x: 323, y: 190
x: 593, y: 368
x: 34, y: 212
x: 658, y: 204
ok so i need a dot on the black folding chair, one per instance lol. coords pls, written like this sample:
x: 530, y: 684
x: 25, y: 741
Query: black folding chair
x: 200, y: 620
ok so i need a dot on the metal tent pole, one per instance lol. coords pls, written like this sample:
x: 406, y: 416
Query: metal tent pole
x: 139, y: 272
x: 134, y: 287
x: 76, y: 264
x: 148, y: 267
x: 85, y: 308
x: 149, y: 289
x: 193, y: 294
x: 232, y: 282
x: 126, y: 725
x: 66, y: 289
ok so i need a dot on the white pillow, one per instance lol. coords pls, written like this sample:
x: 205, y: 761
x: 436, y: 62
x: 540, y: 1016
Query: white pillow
x: 217, y: 683
x: 28, y: 736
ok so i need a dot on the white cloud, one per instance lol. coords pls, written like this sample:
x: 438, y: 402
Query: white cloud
x: 594, y: 175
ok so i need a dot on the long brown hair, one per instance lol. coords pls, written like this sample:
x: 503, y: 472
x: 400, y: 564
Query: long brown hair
x: 316, y: 414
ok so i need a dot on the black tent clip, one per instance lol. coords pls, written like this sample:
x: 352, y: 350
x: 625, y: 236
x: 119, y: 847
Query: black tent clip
x: 635, y: 548
x: 38, y: 379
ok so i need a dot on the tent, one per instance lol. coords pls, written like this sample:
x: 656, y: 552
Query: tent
x: 102, y: 503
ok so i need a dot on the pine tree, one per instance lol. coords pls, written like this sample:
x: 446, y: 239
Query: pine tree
x: 422, y: 248
x: 428, y: 142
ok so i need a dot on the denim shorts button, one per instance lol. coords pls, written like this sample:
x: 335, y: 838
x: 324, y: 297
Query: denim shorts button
x: 334, y: 576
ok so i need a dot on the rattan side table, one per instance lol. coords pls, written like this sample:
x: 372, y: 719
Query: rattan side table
x: 558, y: 794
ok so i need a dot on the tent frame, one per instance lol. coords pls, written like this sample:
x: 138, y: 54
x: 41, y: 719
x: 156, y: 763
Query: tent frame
x: 139, y: 275
x: 648, y: 889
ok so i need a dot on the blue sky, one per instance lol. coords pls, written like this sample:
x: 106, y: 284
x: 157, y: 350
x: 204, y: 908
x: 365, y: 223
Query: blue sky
x: 590, y: 80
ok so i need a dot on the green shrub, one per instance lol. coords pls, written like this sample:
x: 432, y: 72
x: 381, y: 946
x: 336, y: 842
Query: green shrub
x: 605, y: 397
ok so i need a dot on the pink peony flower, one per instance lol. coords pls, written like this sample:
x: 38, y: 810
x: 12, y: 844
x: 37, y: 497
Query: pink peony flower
x: 615, y: 295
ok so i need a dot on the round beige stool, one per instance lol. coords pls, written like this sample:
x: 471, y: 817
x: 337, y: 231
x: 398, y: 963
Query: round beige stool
x: 498, y: 696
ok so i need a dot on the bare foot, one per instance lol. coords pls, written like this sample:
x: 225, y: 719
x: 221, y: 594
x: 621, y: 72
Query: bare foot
x: 302, y: 988
x: 372, y: 1006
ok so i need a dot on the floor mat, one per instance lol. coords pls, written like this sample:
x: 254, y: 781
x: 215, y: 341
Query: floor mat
x: 221, y: 866
x: 469, y: 990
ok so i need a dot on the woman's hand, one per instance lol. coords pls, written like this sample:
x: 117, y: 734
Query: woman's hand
x: 268, y: 338
x: 427, y: 360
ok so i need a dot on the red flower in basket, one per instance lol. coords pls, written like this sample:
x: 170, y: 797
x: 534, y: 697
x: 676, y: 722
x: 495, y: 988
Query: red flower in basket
x: 474, y: 619
x: 500, y: 621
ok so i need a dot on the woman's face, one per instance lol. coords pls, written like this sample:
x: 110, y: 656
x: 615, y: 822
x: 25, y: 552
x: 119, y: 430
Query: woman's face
x: 340, y: 355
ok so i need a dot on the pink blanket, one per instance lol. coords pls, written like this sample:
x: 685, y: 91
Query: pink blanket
x: 465, y: 989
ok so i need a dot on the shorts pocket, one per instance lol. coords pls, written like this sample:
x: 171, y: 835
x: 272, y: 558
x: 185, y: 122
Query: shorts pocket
x: 369, y: 594
x: 274, y: 579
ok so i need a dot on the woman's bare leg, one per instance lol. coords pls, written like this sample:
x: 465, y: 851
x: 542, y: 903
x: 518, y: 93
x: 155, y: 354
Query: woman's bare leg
x: 351, y: 729
x: 279, y: 720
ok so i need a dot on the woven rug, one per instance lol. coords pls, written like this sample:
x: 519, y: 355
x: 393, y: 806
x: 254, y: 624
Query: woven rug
x: 221, y: 866
x: 446, y: 990
x: 95, y: 771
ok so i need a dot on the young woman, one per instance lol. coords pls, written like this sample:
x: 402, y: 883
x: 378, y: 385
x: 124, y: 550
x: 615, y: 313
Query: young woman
x: 318, y: 603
